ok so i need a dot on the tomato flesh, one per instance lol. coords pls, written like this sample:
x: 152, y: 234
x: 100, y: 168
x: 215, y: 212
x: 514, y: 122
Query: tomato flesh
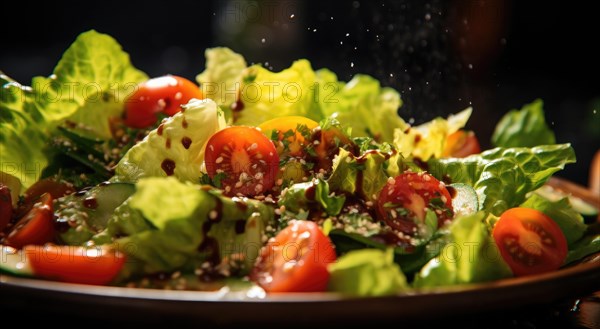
x: 94, y: 265
x: 164, y: 94
x: 245, y: 157
x: 461, y: 144
x: 295, y: 260
x: 35, y: 227
x: 529, y: 241
x: 403, y: 200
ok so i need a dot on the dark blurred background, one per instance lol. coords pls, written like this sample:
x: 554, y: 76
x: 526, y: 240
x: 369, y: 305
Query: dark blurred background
x: 442, y: 56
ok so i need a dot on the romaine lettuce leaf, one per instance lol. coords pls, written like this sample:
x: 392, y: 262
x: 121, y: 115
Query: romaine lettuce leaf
x: 428, y: 139
x: 314, y: 194
x: 22, y: 135
x: 586, y: 246
x: 523, y: 128
x: 361, y: 103
x: 168, y: 225
x: 163, y: 152
x: 265, y: 95
x: 471, y: 256
x: 364, y: 176
x: 503, y: 177
x: 89, y: 84
x: 367, y: 272
x: 569, y: 220
x: 222, y: 77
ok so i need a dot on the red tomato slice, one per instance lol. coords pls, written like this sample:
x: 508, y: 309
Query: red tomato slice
x: 402, y: 201
x: 94, y: 265
x: 6, y: 209
x: 529, y: 241
x: 163, y: 94
x: 247, y: 159
x: 295, y: 260
x: 461, y: 144
x: 36, y: 227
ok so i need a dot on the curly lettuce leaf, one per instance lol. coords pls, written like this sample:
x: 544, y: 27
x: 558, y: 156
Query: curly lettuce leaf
x: 222, y: 76
x: 168, y: 225
x: 166, y: 143
x: 471, y: 256
x: 367, y: 272
x: 570, y: 221
x: 22, y: 135
x: 523, y: 128
x: 588, y: 245
x: 503, y: 177
x: 265, y: 95
x: 361, y: 103
x: 89, y: 84
x: 314, y: 194
x: 363, y: 176
x: 428, y: 139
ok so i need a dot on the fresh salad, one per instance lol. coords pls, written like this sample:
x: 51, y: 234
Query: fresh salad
x: 290, y: 181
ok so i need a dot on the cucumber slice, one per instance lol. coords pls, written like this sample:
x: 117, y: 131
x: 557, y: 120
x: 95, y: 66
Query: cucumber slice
x: 587, y: 210
x: 14, y: 262
x: 464, y: 199
x: 86, y: 213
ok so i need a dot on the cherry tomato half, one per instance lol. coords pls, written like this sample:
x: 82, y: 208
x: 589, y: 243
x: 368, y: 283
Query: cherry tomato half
x: 164, y: 94
x: 461, y: 144
x: 247, y: 159
x: 529, y: 241
x: 74, y: 264
x: 402, y: 201
x: 295, y: 260
x: 36, y: 227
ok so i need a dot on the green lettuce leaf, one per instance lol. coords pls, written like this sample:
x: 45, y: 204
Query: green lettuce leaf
x: 89, y: 84
x: 503, y: 177
x: 364, y: 176
x: 523, y: 128
x: 265, y: 95
x: 569, y: 220
x: 428, y: 139
x: 588, y: 245
x: 367, y: 272
x: 169, y: 225
x: 309, y: 195
x: 147, y: 159
x: 471, y: 256
x: 361, y: 103
x: 22, y: 136
x: 221, y: 79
